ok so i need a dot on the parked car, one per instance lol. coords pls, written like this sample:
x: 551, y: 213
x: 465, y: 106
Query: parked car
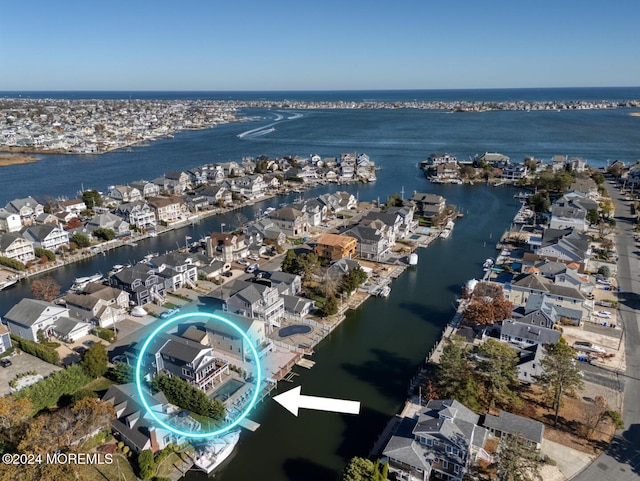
x: 252, y: 268
x: 604, y: 282
x: 254, y: 257
x: 227, y: 274
x: 588, y: 347
x: 243, y: 262
x: 5, y: 362
x: 604, y: 314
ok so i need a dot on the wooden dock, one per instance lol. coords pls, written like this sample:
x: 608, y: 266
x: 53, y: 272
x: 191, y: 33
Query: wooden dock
x: 306, y: 363
x: 249, y: 424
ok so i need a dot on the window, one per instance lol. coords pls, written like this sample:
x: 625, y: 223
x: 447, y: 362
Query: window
x: 429, y: 442
x: 445, y: 464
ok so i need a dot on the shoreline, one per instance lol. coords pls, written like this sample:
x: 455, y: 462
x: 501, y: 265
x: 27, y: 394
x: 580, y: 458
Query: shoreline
x: 16, y: 159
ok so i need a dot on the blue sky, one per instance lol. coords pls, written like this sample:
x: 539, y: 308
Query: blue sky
x: 321, y: 45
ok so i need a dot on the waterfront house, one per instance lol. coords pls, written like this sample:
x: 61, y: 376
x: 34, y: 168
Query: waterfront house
x: 257, y: 301
x: 223, y: 338
x: 48, y: 218
x: 141, y: 283
x: 180, y: 181
x: 444, y: 173
x: 334, y: 246
x: 444, y: 439
x: 513, y: 172
x: 408, y: 225
x: 440, y: 158
x: 108, y: 221
x: 139, y: 214
x: 494, y: 159
x: 558, y: 162
x: 9, y: 221
x: 177, y: 270
x: 578, y: 200
x: 72, y: 205
x: 339, y: 201
x: 387, y: 222
x: 586, y: 186
x: 568, y: 218
x: 428, y: 206
x: 250, y: 186
x: 525, y: 334
x: 133, y: 424
x: 191, y: 362
x: 5, y: 339
x: 297, y: 308
x: 168, y: 209
x: 371, y: 243
x: 215, y: 194
x: 578, y: 164
x: 27, y: 208
x: 507, y: 424
x: 93, y: 309
x: 14, y: 246
x: 147, y: 189
x: 124, y: 193
x: 116, y: 298
x: 286, y: 283
x: 29, y: 316
x: 46, y: 236
x: 565, y: 245
x: 292, y: 222
x: 227, y: 246
x: 198, y: 176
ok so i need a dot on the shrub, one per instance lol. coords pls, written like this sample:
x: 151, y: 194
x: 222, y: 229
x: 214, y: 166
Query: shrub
x: 44, y: 253
x: 106, y: 334
x: 605, y: 271
x: 616, y: 418
x: 12, y: 263
x: 43, y: 352
x: 47, y: 392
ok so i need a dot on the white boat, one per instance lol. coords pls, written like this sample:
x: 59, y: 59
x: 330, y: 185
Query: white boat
x: 384, y: 292
x: 8, y: 283
x: 413, y: 259
x: 153, y: 234
x: 211, y: 455
x: 82, y: 281
x: 445, y: 233
x: 488, y: 264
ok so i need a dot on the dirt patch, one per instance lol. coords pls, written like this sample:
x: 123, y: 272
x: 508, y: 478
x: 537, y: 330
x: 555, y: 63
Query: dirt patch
x: 573, y: 417
x: 11, y: 159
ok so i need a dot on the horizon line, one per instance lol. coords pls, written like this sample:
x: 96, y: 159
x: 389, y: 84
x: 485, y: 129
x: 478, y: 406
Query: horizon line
x: 335, y: 90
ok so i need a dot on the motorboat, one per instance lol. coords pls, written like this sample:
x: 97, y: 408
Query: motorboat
x: 83, y: 281
x: 384, y: 292
x: 8, y: 283
x: 211, y: 455
x: 488, y: 264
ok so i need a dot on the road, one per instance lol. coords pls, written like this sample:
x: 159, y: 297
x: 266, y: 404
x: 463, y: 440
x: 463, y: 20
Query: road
x: 621, y: 460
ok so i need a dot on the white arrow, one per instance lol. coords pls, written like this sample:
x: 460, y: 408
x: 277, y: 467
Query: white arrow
x: 292, y: 400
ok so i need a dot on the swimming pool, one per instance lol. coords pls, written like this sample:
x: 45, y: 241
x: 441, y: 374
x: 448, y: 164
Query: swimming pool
x: 295, y: 329
x: 227, y: 389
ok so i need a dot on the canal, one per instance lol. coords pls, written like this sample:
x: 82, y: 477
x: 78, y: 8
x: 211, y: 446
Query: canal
x: 369, y: 358
x: 373, y: 354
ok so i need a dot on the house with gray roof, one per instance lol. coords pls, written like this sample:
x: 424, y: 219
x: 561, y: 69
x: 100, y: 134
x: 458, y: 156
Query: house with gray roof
x: 135, y: 427
x: 564, y: 245
x: 296, y: 307
x: 176, y: 270
x: 140, y: 214
x: 141, y: 282
x: 568, y: 217
x: 46, y: 236
x: 29, y: 316
x: 541, y: 310
x: 124, y: 193
x: 99, y: 308
x: 529, y: 363
x: 525, y: 334
x: 147, y: 189
x: 372, y: 243
x: 444, y: 438
x: 27, y: 208
x: 109, y: 221
x: 505, y: 424
x: 292, y: 222
x: 14, y: 246
x: 428, y: 205
x: 9, y: 221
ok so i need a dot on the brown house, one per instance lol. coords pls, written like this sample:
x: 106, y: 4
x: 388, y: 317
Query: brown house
x: 334, y: 246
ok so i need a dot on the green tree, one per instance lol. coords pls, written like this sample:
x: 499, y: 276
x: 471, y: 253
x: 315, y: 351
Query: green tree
x: 81, y: 240
x: 146, y: 464
x: 289, y: 263
x: 498, y: 369
x: 92, y: 198
x: 394, y: 200
x: 95, y: 360
x: 12, y: 263
x: 516, y: 460
x: 540, y: 202
x: 46, y: 253
x: 359, y: 469
x: 454, y: 374
x: 560, y: 373
x: 353, y: 279
x: 183, y: 394
x: 330, y: 306
x: 605, y: 271
x: 121, y: 373
x: 104, y: 234
x: 593, y: 216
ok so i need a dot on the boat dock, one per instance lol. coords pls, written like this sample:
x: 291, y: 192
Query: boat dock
x: 249, y: 425
x: 306, y: 363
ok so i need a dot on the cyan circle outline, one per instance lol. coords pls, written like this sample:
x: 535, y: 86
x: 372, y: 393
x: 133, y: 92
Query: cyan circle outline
x: 163, y: 326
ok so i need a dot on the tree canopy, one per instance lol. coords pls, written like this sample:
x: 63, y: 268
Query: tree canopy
x: 95, y: 360
x: 498, y: 369
x: 454, y: 376
x: 516, y: 460
x: 560, y: 373
x: 45, y: 289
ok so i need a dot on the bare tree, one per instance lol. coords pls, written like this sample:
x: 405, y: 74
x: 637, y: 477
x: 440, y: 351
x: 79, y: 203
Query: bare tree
x: 594, y: 413
x: 45, y: 289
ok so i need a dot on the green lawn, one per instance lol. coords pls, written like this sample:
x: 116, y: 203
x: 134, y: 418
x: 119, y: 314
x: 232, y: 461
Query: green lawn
x: 120, y: 469
x: 99, y: 385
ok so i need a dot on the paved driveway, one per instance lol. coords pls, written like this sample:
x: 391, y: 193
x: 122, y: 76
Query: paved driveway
x: 23, y: 362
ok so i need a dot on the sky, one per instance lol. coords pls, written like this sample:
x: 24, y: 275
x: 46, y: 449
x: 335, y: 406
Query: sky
x: 320, y: 45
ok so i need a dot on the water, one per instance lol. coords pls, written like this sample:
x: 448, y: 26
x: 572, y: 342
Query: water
x: 395, y: 139
x: 372, y: 355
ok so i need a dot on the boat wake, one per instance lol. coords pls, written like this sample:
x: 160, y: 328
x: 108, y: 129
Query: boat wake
x: 267, y: 129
